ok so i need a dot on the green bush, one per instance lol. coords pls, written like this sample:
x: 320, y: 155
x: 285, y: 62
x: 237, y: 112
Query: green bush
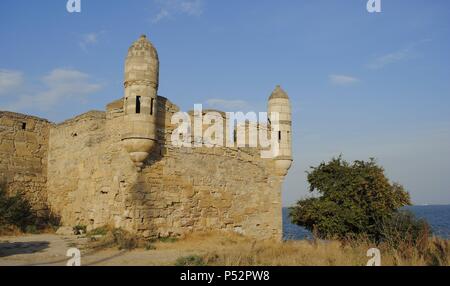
x: 16, y: 212
x: 404, y: 229
x: 116, y: 237
x: 125, y: 240
x: 31, y: 229
x: 191, y: 260
x: 148, y: 245
x: 352, y: 200
x: 79, y: 229
x: 103, y: 230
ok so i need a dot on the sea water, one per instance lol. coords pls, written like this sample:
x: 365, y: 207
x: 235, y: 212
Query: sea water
x: 438, y: 216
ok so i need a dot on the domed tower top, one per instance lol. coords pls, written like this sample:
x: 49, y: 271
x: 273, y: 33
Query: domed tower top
x: 280, y: 119
x: 279, y: 102
x: 142, y: 64
x: 278, y: 93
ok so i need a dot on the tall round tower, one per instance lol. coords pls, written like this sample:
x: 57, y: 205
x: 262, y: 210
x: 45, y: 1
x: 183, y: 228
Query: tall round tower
x: 141, y: 86
x: 279, y: 102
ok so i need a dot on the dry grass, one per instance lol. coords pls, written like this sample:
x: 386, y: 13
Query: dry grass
x: 10, y: 230
x: 227, y: 249
x: 234, y: 250
x: 108, y: 237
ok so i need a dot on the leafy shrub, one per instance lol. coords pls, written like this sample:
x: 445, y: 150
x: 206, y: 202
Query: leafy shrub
x: 116, y: 237
x: 103, y: 230
x: 354, y: 199
x: 124, y: 239
x: 79, y: 229
x: 148, y: 245
x: 15, y: 210
x: 31, y: 229
x: 191, y: 260
x: 48, y: 220
x: 403, y: 228
x: 17, y: 215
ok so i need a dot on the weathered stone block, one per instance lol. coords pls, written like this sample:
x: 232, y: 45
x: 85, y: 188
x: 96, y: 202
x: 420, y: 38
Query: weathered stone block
x: 7, y: 146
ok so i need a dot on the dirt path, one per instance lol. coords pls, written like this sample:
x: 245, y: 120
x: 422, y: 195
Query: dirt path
x: 51, y: 249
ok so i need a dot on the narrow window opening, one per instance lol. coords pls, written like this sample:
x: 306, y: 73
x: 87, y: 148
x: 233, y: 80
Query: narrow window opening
x: 151, y: 106
x: 279, y: 135
x: 138, y: 104
x: 24, y: 126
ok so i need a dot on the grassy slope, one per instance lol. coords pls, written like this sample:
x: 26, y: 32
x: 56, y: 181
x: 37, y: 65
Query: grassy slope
x: 233, y: 250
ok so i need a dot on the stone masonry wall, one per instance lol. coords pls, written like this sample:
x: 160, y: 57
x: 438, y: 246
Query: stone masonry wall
x: 23, y: 156
x: 93, y: 182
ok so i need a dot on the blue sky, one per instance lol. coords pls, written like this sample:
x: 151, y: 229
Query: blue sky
x: 364, y: 85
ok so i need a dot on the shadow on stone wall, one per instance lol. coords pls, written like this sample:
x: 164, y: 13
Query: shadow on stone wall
x: 142, y: 197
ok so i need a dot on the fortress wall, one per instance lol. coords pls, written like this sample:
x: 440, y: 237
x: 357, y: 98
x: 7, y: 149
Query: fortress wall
x: 207, y: 189
x: 23, y: 156
x: 80, y: 173
x: 93, y: 182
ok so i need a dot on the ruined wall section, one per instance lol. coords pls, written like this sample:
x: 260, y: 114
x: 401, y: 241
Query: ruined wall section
x: 23, y: 157
x: 93, y: 182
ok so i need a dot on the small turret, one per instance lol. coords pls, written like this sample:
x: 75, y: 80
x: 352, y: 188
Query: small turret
x: 141, y: 86
x: 279, y: 102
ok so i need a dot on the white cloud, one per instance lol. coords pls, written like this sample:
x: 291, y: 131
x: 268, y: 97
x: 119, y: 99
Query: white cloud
x: 390, y: 58
x: 342, y: 79
x: 226, y: 104
x: 397, y: 56
x: 89, y: 40
x: 60, y: 85
x: 192, y: 7
x: 10, y: 80
x: 161, y: 15
x: 171, y: 8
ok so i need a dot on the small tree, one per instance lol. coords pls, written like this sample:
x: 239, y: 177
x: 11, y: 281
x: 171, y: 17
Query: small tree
x: 354, y: 199
x: 16, y: 211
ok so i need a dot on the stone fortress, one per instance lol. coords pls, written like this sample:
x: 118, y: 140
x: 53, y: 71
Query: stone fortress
x: 118, y: 167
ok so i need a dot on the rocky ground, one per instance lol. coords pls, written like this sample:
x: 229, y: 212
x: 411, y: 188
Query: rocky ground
x: 51, y: 250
